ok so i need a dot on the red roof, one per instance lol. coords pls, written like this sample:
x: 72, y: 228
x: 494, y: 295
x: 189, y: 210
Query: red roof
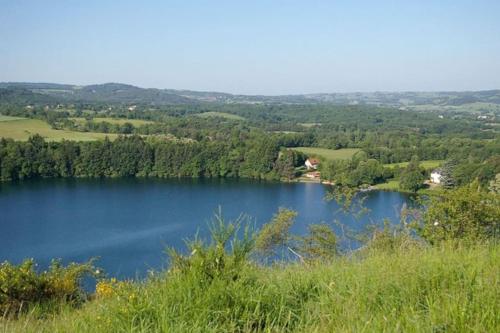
x: 313, y: 160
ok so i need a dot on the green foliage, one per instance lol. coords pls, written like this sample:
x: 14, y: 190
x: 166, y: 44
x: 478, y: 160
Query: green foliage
x: 448, y: 180
x: 494, y: 185
x: 286, y: 163
x: 464, y: 213
x: 223, y: 258
x: 354, y: 173
x: 390, y: 238
x: 22, y: 287
x: 412, y: 178
x: 135, y: 156
x: 319, y: 244
x: 275, y: 235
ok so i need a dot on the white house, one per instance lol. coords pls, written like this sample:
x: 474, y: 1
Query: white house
x: 312, y: 164
x: 436, y: 176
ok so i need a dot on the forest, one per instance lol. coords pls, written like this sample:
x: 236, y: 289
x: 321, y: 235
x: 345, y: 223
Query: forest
x: 245, y: 140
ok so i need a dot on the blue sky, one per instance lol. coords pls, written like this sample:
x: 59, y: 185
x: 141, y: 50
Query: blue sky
x: 254, y: 47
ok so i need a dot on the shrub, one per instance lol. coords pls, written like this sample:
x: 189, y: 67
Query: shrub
x: 275, y: 235
x: 319, y: 244
x: 222, y: 258
x: 464, y: 213
x: 21, y: 286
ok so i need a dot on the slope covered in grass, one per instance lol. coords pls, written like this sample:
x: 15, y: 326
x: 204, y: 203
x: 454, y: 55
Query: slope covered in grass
x: 329, y: 154
x: 23, y: 128
x: 424, y: 164
x: 412, y: 289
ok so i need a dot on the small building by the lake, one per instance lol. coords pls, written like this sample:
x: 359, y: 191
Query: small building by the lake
x: 436, y: 176
x: 312, y: 163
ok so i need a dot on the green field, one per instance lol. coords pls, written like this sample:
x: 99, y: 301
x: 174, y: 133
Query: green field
x: 430, y: 164
x: 117, y: 121
x: 220, y: 115
x: 391, y: 185
x: 329, y: 154
x: 309, y: 125
x: 9, y: 118
x: 23, y: 128
x: 475, y: 107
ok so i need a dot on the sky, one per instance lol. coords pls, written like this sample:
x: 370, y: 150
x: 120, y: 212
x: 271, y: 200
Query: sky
x: 254, y: 47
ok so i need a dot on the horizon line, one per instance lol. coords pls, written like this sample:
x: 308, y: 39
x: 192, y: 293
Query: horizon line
x: 250, y: 95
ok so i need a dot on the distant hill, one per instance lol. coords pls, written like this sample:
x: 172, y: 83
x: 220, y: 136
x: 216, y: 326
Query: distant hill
x: 487, y: 100
x: 108, y: 93
x: 22, y: 96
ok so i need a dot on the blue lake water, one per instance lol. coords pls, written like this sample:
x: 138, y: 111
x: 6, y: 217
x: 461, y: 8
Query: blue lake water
x: 127, y: 223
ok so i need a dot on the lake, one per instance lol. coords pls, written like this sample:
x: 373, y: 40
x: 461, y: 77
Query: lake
x: 127, y: 223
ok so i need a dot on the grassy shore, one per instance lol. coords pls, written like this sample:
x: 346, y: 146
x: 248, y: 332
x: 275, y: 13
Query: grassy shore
x: 411, y: 289
x: 391, y: 185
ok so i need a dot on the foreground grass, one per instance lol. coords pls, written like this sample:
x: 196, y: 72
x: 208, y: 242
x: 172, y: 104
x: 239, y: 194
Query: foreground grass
x: 329, y: 154
x: 23, y: 128
x: 417, y: 289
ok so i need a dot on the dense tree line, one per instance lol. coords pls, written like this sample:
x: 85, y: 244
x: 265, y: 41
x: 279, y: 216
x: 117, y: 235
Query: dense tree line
x: 143, y: 157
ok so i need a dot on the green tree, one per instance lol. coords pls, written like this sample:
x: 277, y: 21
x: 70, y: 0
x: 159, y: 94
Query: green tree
x: 285, y: 164
x: 319, y: 244
x: 411, y: 179
x: 275, y: 235
x: 464, y: 213
x: 448, y: 180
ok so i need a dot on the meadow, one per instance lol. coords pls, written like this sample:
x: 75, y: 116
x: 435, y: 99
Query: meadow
x: 475, y: 107
x: 220, y: 115
x: 329, y: 154
x: 391, y: 185
x: 23, y: 128
x: 413, y: 288
x: 117, y: 121
x: 9, y: 118
x: 430, y: 164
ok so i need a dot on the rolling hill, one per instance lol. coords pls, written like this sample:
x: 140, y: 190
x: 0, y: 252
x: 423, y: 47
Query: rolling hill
x: 473, y: 101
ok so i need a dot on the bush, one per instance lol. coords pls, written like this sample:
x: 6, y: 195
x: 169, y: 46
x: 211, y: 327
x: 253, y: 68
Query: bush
x: 22, y: 287
x: 466, y: 213
x: 223, y: 258
x: 275, y: 235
